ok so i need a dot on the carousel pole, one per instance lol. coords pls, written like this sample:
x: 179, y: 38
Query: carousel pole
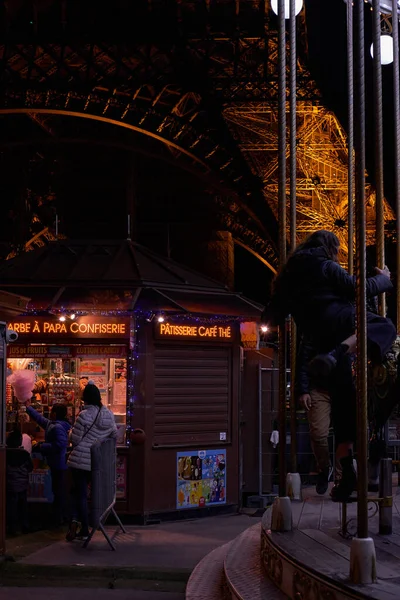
x: 350, y: 137
x: 281, y: 511
x: 293, y: 478
x: 362, y: 554
x: 396, y: 103
x: 378, y: 129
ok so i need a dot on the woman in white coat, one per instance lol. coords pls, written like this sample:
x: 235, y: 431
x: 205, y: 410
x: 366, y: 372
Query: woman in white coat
x: 95, y: 422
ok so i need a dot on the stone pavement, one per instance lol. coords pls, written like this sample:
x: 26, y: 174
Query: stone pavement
x: 151, y: 562
x: 167, y: 546
x: 84, y: 594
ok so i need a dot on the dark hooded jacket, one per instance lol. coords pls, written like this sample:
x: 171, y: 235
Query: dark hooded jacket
x: 54, y: 448
x: 18, y: 466
x: 320, y: 295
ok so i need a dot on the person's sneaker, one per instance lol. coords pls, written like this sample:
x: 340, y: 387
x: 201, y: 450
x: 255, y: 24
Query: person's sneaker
x: 348, y: 482
x: 83, y: 534
x: 321, y: 366
x: 323, y: 478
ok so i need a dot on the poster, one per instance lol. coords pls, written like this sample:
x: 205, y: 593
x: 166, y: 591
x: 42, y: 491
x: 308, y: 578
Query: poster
x: 201, y: 478
x: 121, y: 477
x: 97, y: 371
x: 119, y: 395
x: 39, y: 489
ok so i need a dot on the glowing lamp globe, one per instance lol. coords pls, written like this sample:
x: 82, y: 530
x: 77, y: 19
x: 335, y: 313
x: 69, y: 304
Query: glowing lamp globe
x: 137, y: 437
x: 298, y: 5
x: 386, y: 49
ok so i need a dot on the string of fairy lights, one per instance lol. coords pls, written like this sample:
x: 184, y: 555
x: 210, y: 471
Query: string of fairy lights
x: 148, y: 315
x: 133, y: 360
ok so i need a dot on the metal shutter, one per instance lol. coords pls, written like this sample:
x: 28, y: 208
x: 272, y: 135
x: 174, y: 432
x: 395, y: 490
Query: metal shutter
x: 192, y: 390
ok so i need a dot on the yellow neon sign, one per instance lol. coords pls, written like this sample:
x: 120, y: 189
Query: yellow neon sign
x: 83, y: 327
x: 217, y: 332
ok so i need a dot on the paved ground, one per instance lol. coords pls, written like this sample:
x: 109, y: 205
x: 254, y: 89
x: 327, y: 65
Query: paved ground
x: 180, y: 545
x: 86, y: 594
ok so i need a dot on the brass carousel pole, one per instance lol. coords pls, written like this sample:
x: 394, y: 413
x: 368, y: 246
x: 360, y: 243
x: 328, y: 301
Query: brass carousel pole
x: 282, y: 235
x: 282, y: 512
x: 362, y: 555
x: 396, y: 103
x: 350, y: 137
x: 378, y: 130
x: 295, y: 477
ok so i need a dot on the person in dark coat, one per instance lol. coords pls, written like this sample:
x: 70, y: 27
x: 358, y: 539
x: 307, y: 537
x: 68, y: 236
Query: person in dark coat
x: 320, y: 294
x: 327, y: 403
x: 18, y: 466
x: 54, y: 449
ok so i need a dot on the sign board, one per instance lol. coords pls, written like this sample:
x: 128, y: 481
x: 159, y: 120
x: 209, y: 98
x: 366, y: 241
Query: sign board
x: 40, y: 488
x: 47, y: 351
x: 201, y: 478
x: 194, y: 331
x: 90, y: 327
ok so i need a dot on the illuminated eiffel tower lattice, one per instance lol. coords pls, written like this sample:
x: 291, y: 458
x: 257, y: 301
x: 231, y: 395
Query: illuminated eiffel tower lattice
x: 322, y: 169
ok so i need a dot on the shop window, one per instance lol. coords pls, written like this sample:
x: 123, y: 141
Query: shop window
x: 62, y: 377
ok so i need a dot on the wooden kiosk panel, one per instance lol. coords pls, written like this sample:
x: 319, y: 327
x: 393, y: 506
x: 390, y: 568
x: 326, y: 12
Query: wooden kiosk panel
x: 189, y: 409
x: 192, y: 388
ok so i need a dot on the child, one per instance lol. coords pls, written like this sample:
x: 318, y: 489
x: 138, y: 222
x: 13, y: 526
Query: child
x: 18, y: 466
x: 54, y: 448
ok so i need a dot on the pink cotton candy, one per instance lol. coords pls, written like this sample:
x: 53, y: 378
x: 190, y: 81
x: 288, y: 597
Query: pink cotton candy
x: 22, y: 382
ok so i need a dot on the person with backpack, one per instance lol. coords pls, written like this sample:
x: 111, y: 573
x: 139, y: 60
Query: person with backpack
x: 95, y: 422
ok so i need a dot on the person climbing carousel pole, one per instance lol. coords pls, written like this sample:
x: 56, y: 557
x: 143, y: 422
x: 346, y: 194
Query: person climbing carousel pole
x: 319, y: 294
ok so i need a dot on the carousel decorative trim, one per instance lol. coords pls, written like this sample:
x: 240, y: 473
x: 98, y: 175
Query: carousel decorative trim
x: 271, y: 562
x: 297, y: 581
x: 306, y: 588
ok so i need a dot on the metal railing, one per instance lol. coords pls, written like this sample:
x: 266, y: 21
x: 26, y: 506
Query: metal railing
x: 103, y: 488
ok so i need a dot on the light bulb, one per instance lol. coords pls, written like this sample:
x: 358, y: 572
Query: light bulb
x: 298, y: 5
x: 264, y: 328
x: 62, y: 318
x: 386, y: 49
x: 160, y: 319
x: 72, y: 316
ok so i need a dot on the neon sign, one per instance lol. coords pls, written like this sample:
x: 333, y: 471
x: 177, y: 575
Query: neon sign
x: 89, y: 327
x: 199, y: 332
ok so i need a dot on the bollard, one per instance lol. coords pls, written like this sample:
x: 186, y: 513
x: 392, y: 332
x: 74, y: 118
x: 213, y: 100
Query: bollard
x: 385, y: 493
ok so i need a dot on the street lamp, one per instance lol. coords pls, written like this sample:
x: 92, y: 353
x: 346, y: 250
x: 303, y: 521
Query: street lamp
x: 298, y: 5
x: 386, y: 49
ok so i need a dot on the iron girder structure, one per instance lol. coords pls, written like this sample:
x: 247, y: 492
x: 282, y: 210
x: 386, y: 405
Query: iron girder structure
x: 322, y: 165
x: 222, y: 47
x: 226, y: 52
x: 132, y: 88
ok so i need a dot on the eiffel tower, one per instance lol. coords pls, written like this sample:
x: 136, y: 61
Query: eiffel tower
x: 200, y: 80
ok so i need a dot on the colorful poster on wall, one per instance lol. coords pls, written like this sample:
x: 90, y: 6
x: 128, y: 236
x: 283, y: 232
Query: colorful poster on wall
x: 119, y: 395
x: 201, y: 478
x: 97, y: 371
x: 39, y: 489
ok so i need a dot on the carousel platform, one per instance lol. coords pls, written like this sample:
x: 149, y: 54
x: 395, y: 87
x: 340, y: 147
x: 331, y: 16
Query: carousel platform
x: 312, y: 562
